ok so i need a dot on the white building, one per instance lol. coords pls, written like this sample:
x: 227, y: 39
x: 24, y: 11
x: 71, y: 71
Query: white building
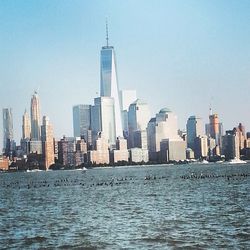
x: 103, y: 118
x: 172, y: 150
x: 162, y: 127
x: 101, y: 153
x: 138, y: 118
x: 126, y: 98
x: 138, y: 155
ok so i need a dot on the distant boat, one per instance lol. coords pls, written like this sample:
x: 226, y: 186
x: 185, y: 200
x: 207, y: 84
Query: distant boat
x: 193, y: 160
x: 82, y: 169
x: 204, y: 162
x: 34, y: 170
x: 219, y: 161
x: 236, y: 161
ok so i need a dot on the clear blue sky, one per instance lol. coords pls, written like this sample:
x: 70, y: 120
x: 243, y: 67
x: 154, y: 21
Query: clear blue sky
x: 179, y: 54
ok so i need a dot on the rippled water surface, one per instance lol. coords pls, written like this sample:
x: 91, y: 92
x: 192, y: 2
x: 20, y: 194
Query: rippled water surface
x: 154, y: 207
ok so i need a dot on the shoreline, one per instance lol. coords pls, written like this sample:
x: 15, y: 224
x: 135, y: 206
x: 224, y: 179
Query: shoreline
x: 85, y: 168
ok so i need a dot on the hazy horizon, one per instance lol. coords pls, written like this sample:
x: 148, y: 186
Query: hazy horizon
x: 184, y: 55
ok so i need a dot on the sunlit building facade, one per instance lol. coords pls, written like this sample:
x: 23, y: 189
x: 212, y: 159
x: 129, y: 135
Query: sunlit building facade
x: 109, y: 83
x: 103, y: 118
x: 138, y: 118
x: 26, y: 128
x: 164, y: 128
x: 47, y: 143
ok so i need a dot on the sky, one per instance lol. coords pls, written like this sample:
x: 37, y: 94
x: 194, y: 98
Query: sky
x: 186, y: 55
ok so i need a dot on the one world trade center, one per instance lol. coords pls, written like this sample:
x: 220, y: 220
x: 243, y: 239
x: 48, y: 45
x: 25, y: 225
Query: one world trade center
x: 109, y: 82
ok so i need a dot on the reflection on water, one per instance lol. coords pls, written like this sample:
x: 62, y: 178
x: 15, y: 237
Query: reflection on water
x: 190, y: 206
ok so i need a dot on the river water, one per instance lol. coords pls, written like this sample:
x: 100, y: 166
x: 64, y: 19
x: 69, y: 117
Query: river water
x: 150, y: 207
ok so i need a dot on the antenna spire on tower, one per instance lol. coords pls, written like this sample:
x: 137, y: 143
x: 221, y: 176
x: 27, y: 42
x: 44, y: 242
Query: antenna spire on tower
x: 107, y: 32
x: 210, y: 106
x: 210, y: 110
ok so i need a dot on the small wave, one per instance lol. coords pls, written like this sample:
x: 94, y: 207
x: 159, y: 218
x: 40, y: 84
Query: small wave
x: 157, y: 239
x: 36, y: 239
x: 151, y: 195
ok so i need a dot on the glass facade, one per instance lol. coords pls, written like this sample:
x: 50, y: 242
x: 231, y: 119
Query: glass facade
x: 104, y: 118
x: 109, y: 84
x: 7, y: 127
x: 194, y: 129
x: 81, y: 120
x: 106, y: 71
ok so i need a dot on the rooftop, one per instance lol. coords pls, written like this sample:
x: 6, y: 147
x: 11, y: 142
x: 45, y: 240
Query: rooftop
x: 139, y: 102
x: 165, y: 110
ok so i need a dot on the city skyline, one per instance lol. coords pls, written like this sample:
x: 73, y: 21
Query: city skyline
x: 187, y: 89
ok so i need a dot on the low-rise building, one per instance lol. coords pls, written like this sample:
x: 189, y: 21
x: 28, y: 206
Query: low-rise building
x: 172, y: 150
x: 120, y: 154
x: 138, y: 155
x: 101, y: 153
x: 189, y: 153
x: 4, y: 163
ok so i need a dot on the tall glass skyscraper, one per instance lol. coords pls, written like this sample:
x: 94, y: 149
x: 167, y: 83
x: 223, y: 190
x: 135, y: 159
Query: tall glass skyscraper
x: 194, y: 129
x: 35, y: 117
x: 82, y: 120
x: 109, y: 83
x: 7, y: 128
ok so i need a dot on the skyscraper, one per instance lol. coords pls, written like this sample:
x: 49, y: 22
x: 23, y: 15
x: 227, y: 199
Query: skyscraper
x: 230, y: 144
x: 82, y: 120
x: 201, y: 149
x: 214, y: 130
x: 214, y: 126
x: 242, y: 135
x: 109, y: 82
x: 103, y: 118
x: 194, y: 129
x: 66, y: 150
x: 126, y: 98
x: 26, y: 126
x: 7, y: 129
x: 47, y: 142
x: 163, y: 135
x: 35, y: 117
x: 138, y: 118
x: 138, y: 115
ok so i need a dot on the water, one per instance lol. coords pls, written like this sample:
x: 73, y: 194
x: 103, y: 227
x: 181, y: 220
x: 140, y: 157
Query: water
x: 190, y: 206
